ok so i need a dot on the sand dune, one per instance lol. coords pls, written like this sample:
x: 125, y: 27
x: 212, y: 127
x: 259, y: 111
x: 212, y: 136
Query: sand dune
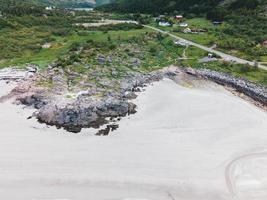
x: 179, y: 145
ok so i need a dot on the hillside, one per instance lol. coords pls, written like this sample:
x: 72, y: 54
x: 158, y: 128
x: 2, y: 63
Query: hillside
x: 161, y: 5
x: 58, y: 3
x: 70, y: 3
x: 192, y: 6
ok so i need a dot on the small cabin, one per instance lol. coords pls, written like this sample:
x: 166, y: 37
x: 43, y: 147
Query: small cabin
x: 181, y: 43
x: 210, y: 55
x: 164, y: 24
x: 46, y: 46
x: 49, y: 8
x: 183, y: 24
x: 216, y: 23
x: 187, y: 30
x: 178, y: 17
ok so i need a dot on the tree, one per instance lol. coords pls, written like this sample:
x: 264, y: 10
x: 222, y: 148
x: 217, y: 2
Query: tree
x: 217, y: 14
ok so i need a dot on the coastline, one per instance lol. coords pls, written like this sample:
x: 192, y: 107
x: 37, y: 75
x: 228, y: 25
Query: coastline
x: 84, y: 111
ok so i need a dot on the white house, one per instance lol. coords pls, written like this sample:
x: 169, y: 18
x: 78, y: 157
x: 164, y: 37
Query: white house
x: 183, y: 24
x: 165, y: 24
x: 181, y: 43
x: 46, y: 46
x: 49, y: 8
x: 187, y: 30
x: 178, y: 17
x: 210, y: 55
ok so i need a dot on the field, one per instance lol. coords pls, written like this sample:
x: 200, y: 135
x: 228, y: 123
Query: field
x: 110, y: 49
x: 236, y: 45
x: 60, y: 45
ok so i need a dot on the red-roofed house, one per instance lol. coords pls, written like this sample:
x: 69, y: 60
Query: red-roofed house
x: 178, y: 17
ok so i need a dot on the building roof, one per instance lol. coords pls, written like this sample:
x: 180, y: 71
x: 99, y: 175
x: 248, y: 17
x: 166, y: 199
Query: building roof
x: 167, y: 23
x: 183, y: 24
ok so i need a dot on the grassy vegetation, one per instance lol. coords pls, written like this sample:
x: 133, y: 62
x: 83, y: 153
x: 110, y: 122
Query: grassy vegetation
x: 107, y: 52
x: 22, y: 38
x: 238, y: 45
x: 120, y: 49
x: 60, y: 46
x: 209, y: 38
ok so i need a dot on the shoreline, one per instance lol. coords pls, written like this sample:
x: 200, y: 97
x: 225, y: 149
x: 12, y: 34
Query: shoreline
x: 83, y: 112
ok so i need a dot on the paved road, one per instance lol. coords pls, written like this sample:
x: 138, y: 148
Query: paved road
x: 224, y: 56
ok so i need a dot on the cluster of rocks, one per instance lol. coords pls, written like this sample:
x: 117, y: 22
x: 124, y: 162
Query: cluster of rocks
x: 16, y: 74
x: 81, y: 113
x: 107, y: 130
x: 87, y: 111
x: 252, y: 90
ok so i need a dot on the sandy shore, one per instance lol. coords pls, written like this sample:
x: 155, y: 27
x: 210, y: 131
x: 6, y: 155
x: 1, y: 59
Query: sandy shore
x: 183, y: 143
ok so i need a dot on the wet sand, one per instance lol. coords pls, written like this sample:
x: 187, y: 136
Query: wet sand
x: 183, y: 143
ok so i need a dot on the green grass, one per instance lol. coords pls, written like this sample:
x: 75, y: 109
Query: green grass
x: 215, y: 35
x: 207, y: 39
x: 61, y: 45
x: 22, y: 45
x: 200, y: 23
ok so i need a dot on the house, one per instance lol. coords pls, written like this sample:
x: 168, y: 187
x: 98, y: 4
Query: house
x: 178, y: 17
x: 160, y: 18
x: 46, y: 46
x: 194, y: 30
x: 265, y: 43
x: 183, y: 24
x: 49, y: 8
x: 216, y: 23
x: 181, y: 43
x: 203, y: 30
x: 210, y: 55
x: 187, y: 30
x: 165, y: 24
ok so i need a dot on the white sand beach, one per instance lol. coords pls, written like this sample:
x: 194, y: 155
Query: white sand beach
x: 182, y: 144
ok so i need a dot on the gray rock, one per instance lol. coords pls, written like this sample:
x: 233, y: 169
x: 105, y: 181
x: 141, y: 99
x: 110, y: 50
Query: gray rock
x: 130, y: 95
x: 101, y: 60
x: 254, y: 91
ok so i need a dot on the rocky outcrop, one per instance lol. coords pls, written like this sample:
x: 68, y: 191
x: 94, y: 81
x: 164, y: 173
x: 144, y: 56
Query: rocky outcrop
x: 89, y: 109
x: 252, y: 90
x: 80, y: 114
x: 86, y: 111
